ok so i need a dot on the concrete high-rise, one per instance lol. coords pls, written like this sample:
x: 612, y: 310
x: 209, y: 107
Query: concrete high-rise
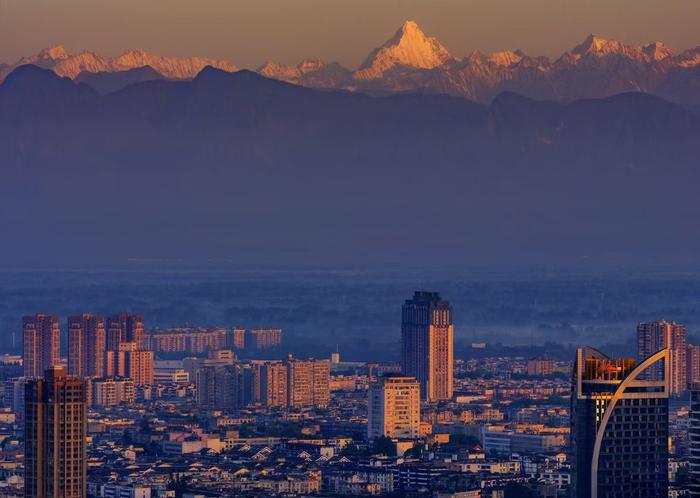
x: 255, y: 339
x: 125, y: 328
x: 223, y: 387
x: 393, y: 408
x: 55, y: 421
x: 186, y: 340
x: 41, y: 344
x: 112, y: 391
x: 236, y: 338
x: 86, y: 345
x: 308, y: 383
x: 273, y: 384
x: 654, y: 336
x: 129, y: 361
x: 427, y: 342
x: 619, y: 426
x: 692, y: 363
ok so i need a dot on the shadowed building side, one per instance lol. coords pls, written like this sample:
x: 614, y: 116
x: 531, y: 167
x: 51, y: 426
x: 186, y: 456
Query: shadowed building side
x: 124, y: 327
x: 694, y: 436
x: 427, y: 344
x: 619, y: 426
x: 55, y: 430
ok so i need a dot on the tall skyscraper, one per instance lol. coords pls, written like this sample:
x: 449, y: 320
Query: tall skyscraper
x: 654, y: 336
x: 125, y: 328
x: 42, y: 344
x: 427, y: 338
x: 54, y: 436
x: 393, y: 408
x: 86, y: 345
x: 694, y: 436
x: 619, y: 426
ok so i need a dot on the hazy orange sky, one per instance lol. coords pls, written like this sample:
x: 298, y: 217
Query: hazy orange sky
x: 248, y: 32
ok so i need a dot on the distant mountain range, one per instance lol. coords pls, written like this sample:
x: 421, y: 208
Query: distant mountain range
x: 238, y: 166
x: 410, y: 61
x: 64, y: 64
x: 597, y: 68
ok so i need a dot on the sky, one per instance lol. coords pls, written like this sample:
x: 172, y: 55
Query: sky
x: 249, y: 32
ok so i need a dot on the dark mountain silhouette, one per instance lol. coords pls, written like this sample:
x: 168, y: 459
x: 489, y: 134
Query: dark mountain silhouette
x: 682, y: 85
x: 411, y: 61
x: 106, y: 83
x: 237, y: 166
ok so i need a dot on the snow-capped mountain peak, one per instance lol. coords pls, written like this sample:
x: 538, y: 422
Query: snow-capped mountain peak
x: 57, y: 52
x: 595, y: 45
x: 65, y: 64
x: 599, y: 47
x: 505, y: 58
x: 309, y: 65
x: 656, y: 51
x: 408, y: 47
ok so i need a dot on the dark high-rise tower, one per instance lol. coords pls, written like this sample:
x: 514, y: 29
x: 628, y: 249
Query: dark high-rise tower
x: 42, y: 345
x: 55, y: 419
x: 694, y: 436
x: 124, y: 328
x: 86, y: 345
x: 619, y: 427
x: 427, y: 335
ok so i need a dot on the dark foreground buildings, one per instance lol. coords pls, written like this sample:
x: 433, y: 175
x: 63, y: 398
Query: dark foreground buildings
x: 694, y: 436
x: 619, y: 427
x: 55, y: 428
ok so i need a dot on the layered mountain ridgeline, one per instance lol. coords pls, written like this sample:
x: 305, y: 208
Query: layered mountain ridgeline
x: 235, y: 165
x: 410, y: 61
x: 597, y: 68
x: 72, y: 65
x: 106, y: 83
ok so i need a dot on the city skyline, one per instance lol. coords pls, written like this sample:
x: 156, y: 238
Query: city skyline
x: 400, y: 414
x: 349, y: 249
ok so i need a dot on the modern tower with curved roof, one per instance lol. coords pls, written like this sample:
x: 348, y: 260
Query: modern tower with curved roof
x: 619, y: 426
